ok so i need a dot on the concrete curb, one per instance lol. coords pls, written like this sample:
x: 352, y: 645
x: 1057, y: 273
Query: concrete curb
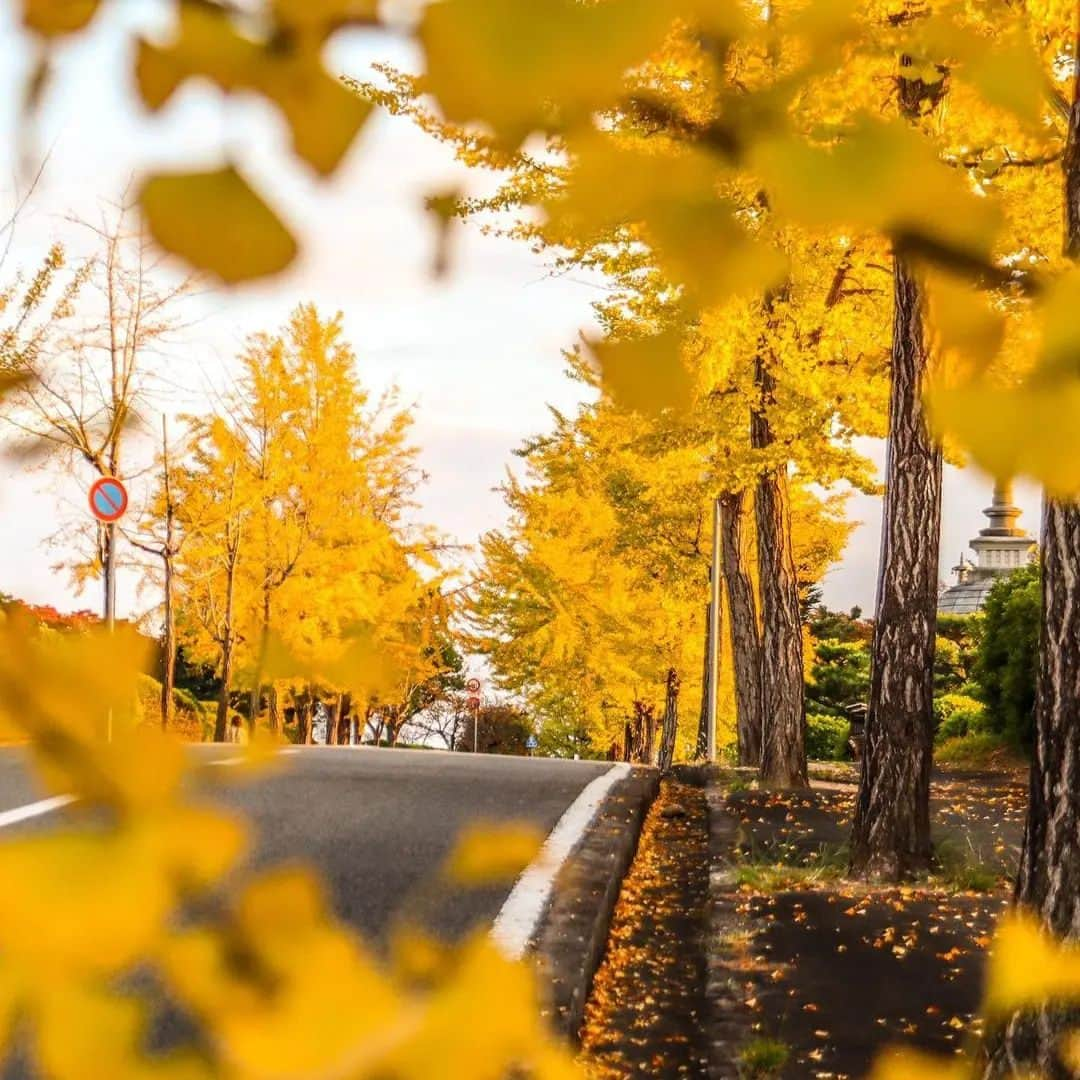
x: 570, y: 943
x: 730, y: 1025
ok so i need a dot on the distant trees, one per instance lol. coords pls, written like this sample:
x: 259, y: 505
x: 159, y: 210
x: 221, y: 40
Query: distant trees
x: 295, y: 572
x: 80, y: 340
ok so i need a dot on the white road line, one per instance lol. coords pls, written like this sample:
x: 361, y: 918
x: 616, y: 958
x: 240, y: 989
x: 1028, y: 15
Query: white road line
x: 228, y: 761
x: 517, y: 921
x: 34, y: 809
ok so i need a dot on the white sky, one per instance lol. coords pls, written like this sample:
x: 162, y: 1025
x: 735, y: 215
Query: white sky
x: 479, y: 353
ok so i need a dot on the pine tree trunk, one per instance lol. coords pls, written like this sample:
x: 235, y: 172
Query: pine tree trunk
x: 701, y: 747
x: 745, y: 633
x: 891, y: 829
x: 783, y: 749
x: 1048, y: 882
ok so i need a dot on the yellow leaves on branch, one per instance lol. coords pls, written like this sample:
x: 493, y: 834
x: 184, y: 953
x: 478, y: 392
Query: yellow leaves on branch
x: 263, y: 982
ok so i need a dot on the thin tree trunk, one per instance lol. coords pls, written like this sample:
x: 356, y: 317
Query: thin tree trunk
x: 168, y: 643
x: 1048, y: 883
x: 333, y: 715
x: 783, y: 750
x: 168, y: 553
x: 670, y: 727
x: 701, y: 748
x: 891, y: 828
x: 221, y: 724
x: 273, y: 709
x: 648, y: 737
x: 744, y: 629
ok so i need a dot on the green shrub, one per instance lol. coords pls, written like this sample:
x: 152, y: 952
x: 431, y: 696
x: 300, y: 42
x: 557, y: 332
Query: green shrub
x: 958, y: 716
x: 827, y: 737
x: 1009, y: 654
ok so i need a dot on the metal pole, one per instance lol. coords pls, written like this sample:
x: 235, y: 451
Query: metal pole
x: 476, y: 729
x: 714, y: 634
x: 110, y: 601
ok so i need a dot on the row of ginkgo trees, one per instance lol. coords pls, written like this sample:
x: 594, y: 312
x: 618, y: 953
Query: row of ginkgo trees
x: 283, y: 548
x: 625, y: 194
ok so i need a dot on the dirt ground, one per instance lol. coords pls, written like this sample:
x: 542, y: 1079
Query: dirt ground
x: 832, y: 971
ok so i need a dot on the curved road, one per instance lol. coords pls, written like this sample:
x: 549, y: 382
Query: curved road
x: 376, y: 823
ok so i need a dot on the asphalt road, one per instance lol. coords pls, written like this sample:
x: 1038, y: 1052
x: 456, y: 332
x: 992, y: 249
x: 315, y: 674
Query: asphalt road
x: 376, y: 823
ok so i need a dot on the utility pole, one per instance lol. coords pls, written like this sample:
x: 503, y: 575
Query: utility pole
x: 714, y: 635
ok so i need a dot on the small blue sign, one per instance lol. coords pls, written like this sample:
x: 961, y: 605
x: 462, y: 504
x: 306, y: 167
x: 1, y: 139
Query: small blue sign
x: 531, y: 743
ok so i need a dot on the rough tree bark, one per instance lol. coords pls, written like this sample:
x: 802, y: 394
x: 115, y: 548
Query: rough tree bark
x: 744, y: 630
x: 783, y: 750
x: 670, y: 727
x: 701, y: 747
x: 891, y: 827
x: 1048, y: 882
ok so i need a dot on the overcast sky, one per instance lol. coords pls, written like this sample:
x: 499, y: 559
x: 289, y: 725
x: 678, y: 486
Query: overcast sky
x: 479, y: 352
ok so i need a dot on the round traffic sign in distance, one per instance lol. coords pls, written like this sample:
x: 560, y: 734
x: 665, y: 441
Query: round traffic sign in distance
x: 473, y: 686
x: 108, y: 499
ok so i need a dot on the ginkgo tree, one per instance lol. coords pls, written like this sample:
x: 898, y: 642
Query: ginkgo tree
x: 822, y: 158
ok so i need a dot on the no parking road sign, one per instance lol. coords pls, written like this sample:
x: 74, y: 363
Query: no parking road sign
x: 108, y: 499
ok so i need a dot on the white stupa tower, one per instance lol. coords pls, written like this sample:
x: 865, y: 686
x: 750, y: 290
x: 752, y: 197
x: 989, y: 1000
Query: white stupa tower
x: 1000, y: 548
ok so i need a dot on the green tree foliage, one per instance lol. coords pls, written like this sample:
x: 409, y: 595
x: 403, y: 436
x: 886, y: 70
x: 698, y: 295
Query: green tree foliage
x: 1008, y: 654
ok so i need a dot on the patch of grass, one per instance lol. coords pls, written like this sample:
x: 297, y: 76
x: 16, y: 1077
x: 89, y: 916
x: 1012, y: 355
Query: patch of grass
x: 978, y: 752
x: 962, y: 867
x: 763, y: 1057
x: 738, y: 784
x: 785, y: 866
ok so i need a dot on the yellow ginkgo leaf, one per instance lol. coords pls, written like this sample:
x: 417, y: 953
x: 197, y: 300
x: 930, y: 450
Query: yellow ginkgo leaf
x: 264, y: 981
x: 644, y: 375
x: 672, y: 201
x: 324, y: 14
x: 84, y: 902
x: 196, y: 846
x: 76, y: 1025
x: 52, y: 18
x: 484, y: 983
x: 523, y: 67
x: 206, y: 43
x: 1028, y: 968
x: 489, y: 853
x: 897, y: 1064
x: 877, y: 176
x: 323, y: 115
x: 1030, y: 431
x: 1070, y: 1051
x: 216, y: 222
x: 963, y: 321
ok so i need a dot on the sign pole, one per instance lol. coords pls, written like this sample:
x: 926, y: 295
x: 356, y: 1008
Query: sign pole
x: 108, y: 500
x: 714, y: 635
x: 473, y: 687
